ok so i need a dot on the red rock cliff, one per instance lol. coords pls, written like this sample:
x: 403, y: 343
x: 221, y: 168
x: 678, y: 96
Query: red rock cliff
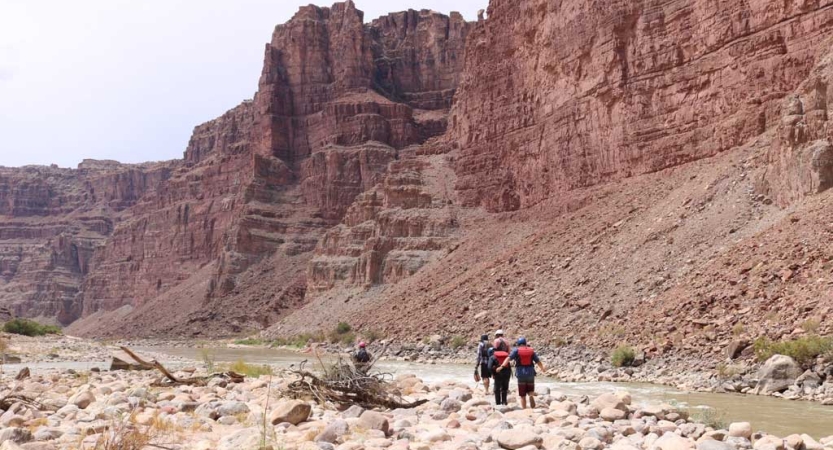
x: 561, y: 95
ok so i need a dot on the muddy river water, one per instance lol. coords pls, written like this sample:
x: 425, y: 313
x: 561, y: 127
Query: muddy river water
x: 775, y: 416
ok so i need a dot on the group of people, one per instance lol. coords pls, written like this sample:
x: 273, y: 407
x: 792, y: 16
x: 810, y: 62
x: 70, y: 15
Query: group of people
x: 493, y: 361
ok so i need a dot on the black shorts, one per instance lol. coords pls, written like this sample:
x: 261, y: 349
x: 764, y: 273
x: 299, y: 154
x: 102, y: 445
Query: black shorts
x: 484, y: 371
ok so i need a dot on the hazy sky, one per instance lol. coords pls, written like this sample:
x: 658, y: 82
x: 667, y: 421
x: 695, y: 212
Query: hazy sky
x: 129, y: 79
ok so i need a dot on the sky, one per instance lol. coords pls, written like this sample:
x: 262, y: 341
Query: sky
x: 128, y: 80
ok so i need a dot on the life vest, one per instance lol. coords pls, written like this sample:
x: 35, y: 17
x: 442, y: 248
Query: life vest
x: 502, y: 345
x: 525, y: 356
x: 501, y: 356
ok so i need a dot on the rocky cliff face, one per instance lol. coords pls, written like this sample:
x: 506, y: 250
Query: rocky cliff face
x: 338, y: 100
x: 559, y: 96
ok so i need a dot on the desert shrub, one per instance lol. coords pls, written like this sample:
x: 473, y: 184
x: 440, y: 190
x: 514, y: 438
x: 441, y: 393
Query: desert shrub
x: 738, y: 329
x: 250, y: 370
x: 250, y: 341
x: 623, y: 356
x: 728, y: 371
x: 811, y: 326
x: 457, y: 342
x: 709, y: 417
x: 27, y: 327
x: 803, y: 350
x: 298, y: 341
x: 373, y: 335
x: 343, y: 334
x: 208, y: 358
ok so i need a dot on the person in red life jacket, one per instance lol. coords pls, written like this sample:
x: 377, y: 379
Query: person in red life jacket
x: 483, y: 361
x: 525, y: 360
x: 500, y: 342
x: 496, y: 359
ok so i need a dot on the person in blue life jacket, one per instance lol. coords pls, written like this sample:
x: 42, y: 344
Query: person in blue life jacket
x: 525, y: 360
x: 483, y: 361
x: 496, y: 358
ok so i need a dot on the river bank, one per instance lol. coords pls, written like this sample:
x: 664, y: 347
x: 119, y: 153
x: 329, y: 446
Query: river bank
x: 86, y: 408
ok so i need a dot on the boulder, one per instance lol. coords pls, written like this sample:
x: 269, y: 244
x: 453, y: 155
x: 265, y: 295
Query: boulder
x: 777, y: 374
x: 769, y: 443
x: 451, y: 405
x: 82, y: 399
x: 711, y: 444
x: 293, y: 412
x: 516, y: 439
x: 590, y: 443
x: 333, y: 431
x: 243, y: 439
x: 373, y: 420
x: 671, y: 441
x: 16, y: 435
x: 609, y: 401
x: 613, y: 414
x: 735, y: 348
x: 741, y: 430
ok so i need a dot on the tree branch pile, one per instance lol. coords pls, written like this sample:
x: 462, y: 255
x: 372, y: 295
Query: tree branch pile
x: 346, y: 384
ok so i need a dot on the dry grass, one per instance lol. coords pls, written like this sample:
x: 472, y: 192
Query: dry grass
x: 127, y: 434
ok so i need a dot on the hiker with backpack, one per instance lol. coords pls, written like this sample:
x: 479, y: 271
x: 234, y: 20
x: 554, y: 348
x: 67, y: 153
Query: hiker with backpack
x: 496, y: 359
x: 483, y: 361
x: 362, y: 358
x: 525, y: 360
x: 500, y: 342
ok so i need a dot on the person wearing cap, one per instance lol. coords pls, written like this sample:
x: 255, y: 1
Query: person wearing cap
x: 525, y: 360
x: 500, y: 342
x: 482, y: 365
x: 362, y: 358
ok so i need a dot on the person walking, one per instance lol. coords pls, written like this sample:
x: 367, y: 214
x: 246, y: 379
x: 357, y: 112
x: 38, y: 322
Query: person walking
x: 525, y: 360
x: 500, y: 342
x: 496, y: 359
x: 483, y: 361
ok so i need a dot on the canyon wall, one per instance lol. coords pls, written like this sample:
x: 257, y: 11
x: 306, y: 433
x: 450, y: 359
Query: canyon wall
x: 558, y: 96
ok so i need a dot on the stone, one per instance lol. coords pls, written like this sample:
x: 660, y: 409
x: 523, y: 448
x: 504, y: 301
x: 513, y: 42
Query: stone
x: 233, y: 409
x: 590, y: 443
x: 293, y: 412
x: 609, y: 401
x: 777, y: 374
x: 16, y: 435
x: 671, y: 441
x: 373, y: 420
x: 241, y: 439
x: 353, y: 412
x: 810, y: 443
x: 741, y: 429
x: 735, y: 348
x: 82, y: 399
x: 333, y: 431
x: 711, y: 444
x: 612, y: 414
x: 769, y: 443
x: 451, y: 405
x: 516, y: 439
x: 9, y: 445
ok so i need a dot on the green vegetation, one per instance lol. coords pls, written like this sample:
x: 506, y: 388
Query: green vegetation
x: 251, y: 341
x: 623, y: 356
x: 208, y: 358
x: 803, y: 350
x: 457, y: 342
x: 710, y: 417
x: 29, y: 328
x: 298, y: 341
x: 372, y: 336
x: 728, y: 371
x: 250, y: 370
x: 811, y: 326
x: 343, y: 333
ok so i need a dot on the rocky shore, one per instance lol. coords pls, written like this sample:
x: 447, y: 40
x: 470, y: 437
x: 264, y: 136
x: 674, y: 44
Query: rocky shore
x: 97, y: 409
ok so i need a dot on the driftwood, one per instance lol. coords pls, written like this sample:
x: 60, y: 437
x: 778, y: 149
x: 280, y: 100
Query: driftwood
x: 8, y: 401
x: 344, y: 384
x: 23, y: 374
x: 172, y: 380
